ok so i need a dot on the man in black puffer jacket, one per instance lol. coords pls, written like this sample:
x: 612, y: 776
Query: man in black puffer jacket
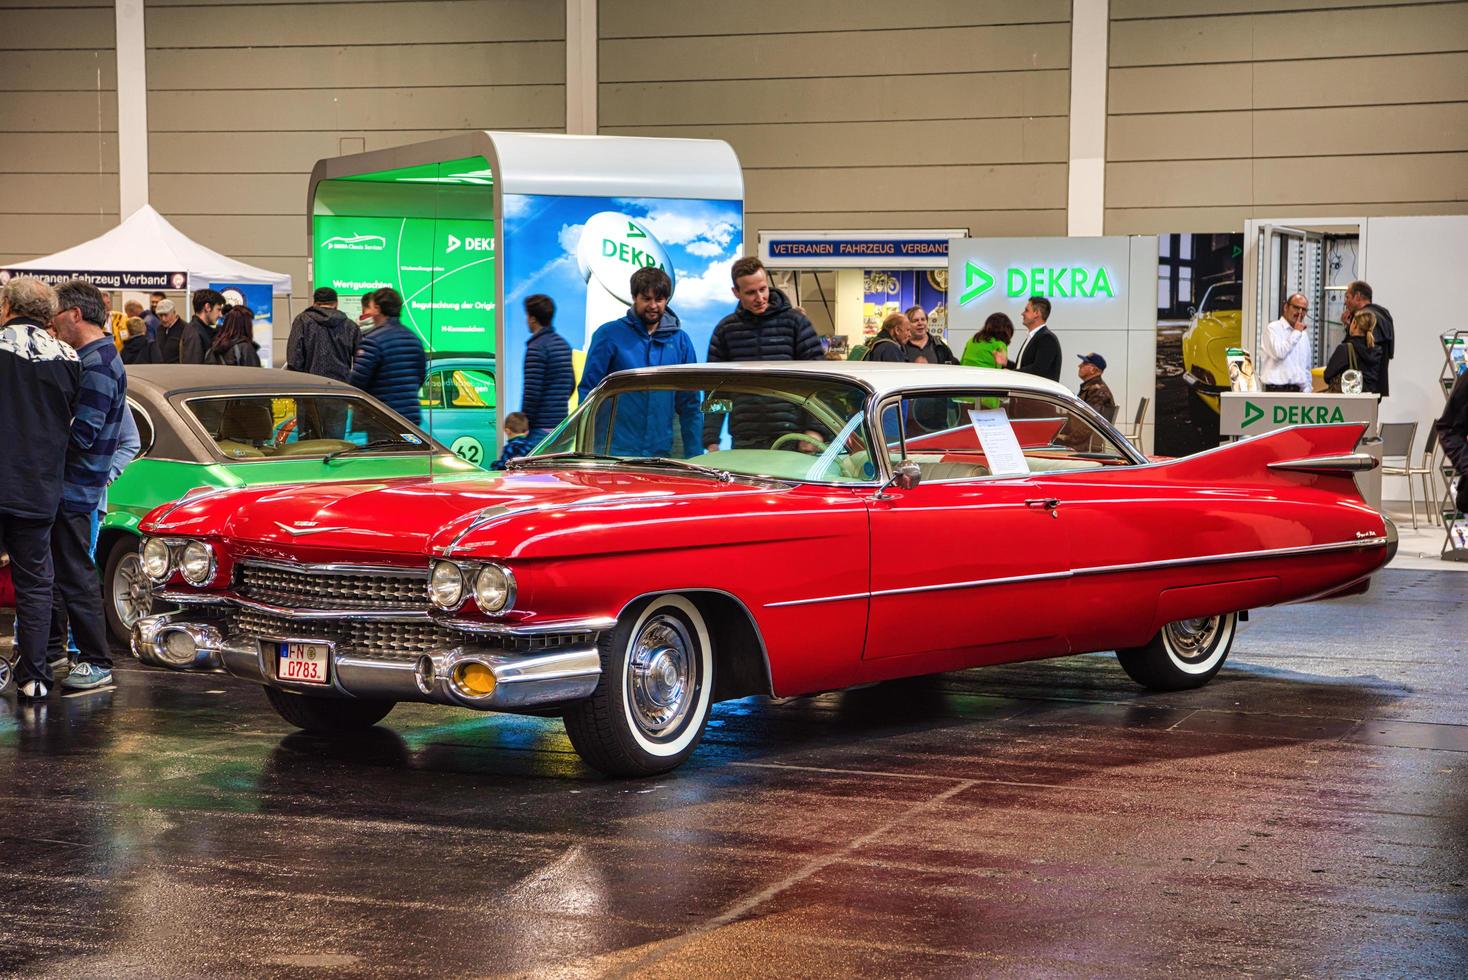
x: 764, y: 327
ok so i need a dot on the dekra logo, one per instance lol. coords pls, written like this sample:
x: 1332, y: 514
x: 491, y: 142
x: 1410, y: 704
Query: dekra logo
x: 470, y: 244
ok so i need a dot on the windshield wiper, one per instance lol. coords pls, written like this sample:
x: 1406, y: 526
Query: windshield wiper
x: 520, y: 462
x: 723, y: 476
x: 376, y: 444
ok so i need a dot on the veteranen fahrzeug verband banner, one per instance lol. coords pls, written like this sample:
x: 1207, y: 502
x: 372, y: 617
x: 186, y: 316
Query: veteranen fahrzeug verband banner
x: 582, y: 251
x: 443, y: 267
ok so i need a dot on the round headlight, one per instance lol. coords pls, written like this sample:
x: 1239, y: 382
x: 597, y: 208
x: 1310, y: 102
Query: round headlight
x: 494, y: 588
x: 196, y: 563
x: 155, y: 559
x: 446, y: 585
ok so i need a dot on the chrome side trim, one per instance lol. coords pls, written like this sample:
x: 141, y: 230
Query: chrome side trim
x: 1374, y: 542
x: 336, y: 569
x: 1347, y: 463
x: 1308, y: 549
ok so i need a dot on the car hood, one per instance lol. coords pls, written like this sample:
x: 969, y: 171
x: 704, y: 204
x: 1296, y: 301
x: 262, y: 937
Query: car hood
x: 372, y: 521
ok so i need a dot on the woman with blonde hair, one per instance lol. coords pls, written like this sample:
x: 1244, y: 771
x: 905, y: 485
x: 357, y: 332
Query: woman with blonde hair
x: 1357, y: 351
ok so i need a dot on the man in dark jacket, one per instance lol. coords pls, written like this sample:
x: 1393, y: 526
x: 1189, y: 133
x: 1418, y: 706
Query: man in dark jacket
x: 198, y: 337
x: 550, y: 376
x: 921, y: 344
x: 40, y: 379
x: 1039, y: 352
x: 1358, y: 298
x: 322, y: 339
x: 1452, y: 435
x: 390, y: 364
x: 763, y: 327
x: 169, y: 338
x: 650, y: 335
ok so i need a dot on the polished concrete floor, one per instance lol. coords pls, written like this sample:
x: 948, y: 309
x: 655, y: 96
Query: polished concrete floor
x: 1305, y: 814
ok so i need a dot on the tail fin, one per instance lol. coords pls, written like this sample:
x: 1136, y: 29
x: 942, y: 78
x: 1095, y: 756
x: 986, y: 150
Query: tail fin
x: 1323, y: 456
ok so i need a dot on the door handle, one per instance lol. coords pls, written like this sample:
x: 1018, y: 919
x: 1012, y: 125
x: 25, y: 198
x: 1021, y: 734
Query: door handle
x: 1048, y: 503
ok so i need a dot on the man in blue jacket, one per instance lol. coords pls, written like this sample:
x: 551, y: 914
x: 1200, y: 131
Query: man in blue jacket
x: 390, y: 364
x: 549, y: 375
x: 650, y: 335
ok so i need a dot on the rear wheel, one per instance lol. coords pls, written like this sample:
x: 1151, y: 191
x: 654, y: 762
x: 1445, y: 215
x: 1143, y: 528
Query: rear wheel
x: 1184, y: 654
x: 650, y: 708
x: 127, y: 592
x: 327, y: 716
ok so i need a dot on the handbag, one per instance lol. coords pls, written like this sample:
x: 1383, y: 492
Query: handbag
x: 1335, y: 386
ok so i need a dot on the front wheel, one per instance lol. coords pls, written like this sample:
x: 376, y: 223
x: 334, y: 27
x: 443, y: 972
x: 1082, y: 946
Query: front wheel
x: 652, y: 703
x: 1183, y: 655
x: 327, y: 716
x: 127, y: 592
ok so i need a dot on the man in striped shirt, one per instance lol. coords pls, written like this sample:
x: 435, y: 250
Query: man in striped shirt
x: 95, y: 432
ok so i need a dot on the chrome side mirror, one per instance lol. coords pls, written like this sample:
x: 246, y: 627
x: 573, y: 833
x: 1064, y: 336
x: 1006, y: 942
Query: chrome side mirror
x: 905, y: 476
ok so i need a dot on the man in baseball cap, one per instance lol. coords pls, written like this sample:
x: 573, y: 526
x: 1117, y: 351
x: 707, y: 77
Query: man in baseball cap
x: 1094, y: 391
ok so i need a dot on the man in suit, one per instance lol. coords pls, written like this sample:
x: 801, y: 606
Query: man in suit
x: 1039, y: 350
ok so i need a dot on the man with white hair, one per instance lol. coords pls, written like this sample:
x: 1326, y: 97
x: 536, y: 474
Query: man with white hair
x: 171, y: 329
x: 40, y: 379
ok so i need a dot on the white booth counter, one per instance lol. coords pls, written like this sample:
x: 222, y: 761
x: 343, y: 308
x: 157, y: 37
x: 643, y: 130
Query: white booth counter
x: 1252, y: 413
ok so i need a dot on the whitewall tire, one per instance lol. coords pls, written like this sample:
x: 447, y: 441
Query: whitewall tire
x: 1184, y: 654
x: 652, y: 704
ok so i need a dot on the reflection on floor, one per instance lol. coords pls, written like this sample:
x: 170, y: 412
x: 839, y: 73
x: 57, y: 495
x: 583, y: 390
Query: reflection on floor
x: 1306, y: 813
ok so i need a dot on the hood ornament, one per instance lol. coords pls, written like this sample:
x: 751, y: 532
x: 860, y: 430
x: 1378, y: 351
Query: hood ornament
x: 298, y: 531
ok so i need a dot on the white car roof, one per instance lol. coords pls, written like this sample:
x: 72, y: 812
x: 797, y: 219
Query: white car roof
x: 884, y: 376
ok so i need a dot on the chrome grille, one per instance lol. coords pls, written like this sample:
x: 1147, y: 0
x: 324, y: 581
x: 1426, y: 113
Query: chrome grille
x: 303, y: 589
x: 385, y: 640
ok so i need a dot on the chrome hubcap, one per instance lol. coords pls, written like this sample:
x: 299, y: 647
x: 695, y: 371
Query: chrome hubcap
x: 132, y: 591
x: 660, y: 675
x: 1193, y: 639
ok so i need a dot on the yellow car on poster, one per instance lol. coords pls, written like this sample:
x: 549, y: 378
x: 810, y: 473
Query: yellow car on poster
x: 1217, y: 325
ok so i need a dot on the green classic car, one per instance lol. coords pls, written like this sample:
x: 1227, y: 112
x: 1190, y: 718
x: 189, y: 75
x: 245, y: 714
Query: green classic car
x: 215, y: 427
x: 1217, y: 325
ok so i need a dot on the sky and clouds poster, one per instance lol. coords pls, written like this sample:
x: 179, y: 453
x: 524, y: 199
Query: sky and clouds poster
x: 581, y: 251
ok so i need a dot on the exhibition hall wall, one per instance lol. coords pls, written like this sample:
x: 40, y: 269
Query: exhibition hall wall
x: 930, y: 113
x: 1215, y: 115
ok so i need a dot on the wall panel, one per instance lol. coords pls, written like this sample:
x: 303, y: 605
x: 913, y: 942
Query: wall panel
x: 930, y: 113
x: 58, y: 170
x: 1220, y: 110
x: 235, y: 131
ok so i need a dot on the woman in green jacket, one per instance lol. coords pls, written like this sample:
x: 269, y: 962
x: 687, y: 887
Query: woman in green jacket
x: 989, y: 348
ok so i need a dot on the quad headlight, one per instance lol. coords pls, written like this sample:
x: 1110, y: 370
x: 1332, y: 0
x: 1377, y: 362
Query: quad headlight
x: 156, y: 559
x: 494, y: 588
x: 446, y: 585
x: 196, y: 563
x: 492, y: 585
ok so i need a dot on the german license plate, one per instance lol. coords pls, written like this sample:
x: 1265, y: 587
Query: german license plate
x: 303, y: 663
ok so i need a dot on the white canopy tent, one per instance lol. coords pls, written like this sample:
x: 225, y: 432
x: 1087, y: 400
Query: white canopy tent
x: 146, y: 252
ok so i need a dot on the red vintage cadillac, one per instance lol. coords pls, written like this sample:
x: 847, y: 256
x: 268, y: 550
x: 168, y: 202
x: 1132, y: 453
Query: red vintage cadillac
x: 857, y: 523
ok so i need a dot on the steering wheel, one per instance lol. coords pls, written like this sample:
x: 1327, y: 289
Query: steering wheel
x: 820, y: 444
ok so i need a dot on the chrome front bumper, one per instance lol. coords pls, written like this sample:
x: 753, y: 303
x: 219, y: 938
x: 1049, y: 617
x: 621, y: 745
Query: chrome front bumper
x: 521, y: 680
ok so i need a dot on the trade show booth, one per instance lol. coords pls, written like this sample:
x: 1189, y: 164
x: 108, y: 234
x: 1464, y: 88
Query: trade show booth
x: 848, y: 281
x: 467, y: 227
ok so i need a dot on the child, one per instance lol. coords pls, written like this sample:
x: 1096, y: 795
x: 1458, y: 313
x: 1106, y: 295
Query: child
x: 517, y: 439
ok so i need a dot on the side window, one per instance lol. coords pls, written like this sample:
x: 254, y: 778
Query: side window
x: 946, y: 434
x: 145, y: 429
x: 466, y: 388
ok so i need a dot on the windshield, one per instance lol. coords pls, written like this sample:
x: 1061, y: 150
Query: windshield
x: 1222, y: 296
x: 262, y: 426
x: 785, y: 427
